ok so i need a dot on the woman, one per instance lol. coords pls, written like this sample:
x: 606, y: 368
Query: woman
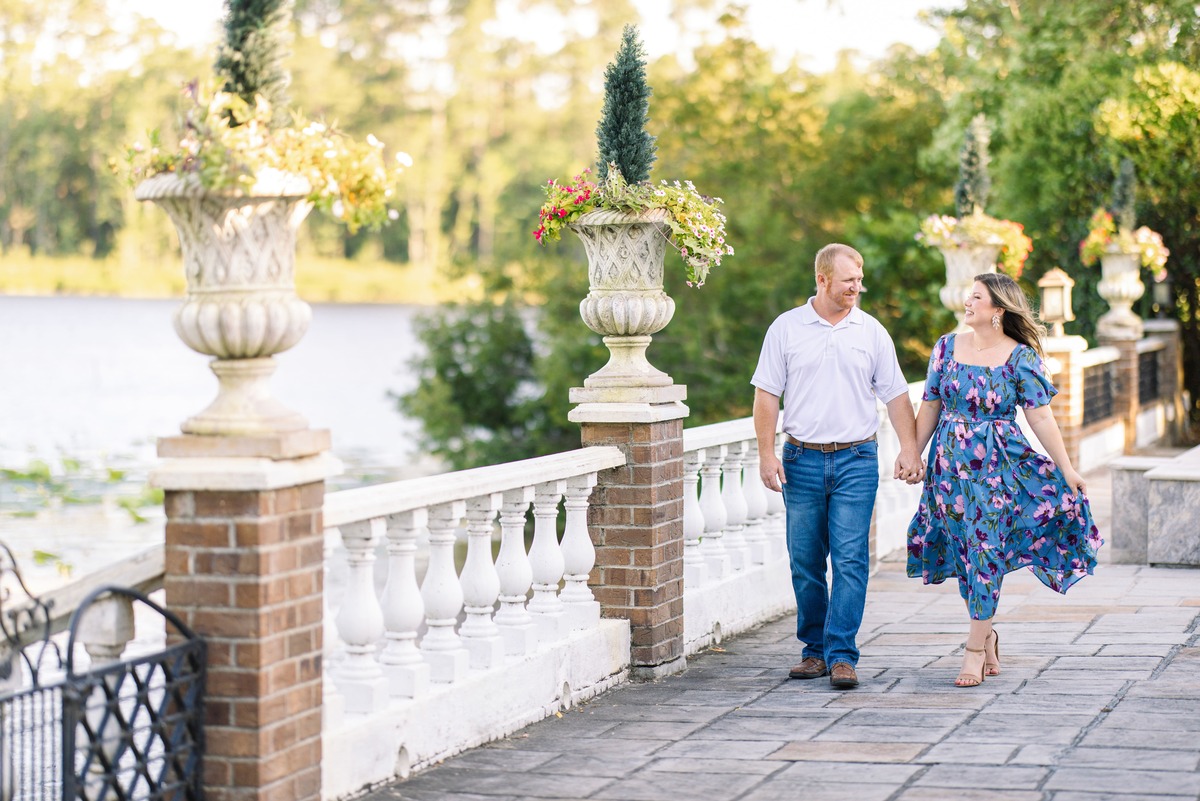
x: 991, y: 504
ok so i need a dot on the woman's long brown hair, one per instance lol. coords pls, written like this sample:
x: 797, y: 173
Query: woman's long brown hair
x: 1018, y: 320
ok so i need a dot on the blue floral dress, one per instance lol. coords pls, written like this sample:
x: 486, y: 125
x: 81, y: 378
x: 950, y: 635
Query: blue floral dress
x: 991, y: 504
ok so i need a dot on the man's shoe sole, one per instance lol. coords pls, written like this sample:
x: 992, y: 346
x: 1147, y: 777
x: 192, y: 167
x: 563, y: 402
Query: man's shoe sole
x: 843, y: 684
x: 794, y: 675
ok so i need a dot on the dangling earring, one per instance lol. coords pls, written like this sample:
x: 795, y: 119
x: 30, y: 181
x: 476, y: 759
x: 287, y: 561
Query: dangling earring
x: 996, y: 321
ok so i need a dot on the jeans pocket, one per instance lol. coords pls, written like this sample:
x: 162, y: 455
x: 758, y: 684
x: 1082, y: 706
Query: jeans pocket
x: 790, y: 452
x: 867, y: 450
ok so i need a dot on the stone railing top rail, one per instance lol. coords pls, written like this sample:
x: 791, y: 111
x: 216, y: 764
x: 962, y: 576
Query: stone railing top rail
x: 366, y: 503
x: 143, y: 571
x: 1101, y: 355
x: 715, y: 434
x: 1150, y: 344
x: 1184, y: 467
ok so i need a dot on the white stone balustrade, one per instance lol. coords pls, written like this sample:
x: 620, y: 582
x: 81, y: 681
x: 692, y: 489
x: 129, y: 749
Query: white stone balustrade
x: 360, y: 620
x: 755, y: 532
x: 443, y: 596
x: 481, y: 584
x: 733, y: 498
x: 712, y: 508
x: 546, y: 559
x: 579, y: 557
x: 516, y: 575
x: 403, y: 607
x: 695, y: 568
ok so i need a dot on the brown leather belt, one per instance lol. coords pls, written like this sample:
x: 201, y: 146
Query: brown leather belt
x: 827, y: 447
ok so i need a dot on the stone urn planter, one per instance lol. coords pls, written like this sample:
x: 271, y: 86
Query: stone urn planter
x: 626, y: 303
x: 964, y: 261
x: 241, y: 306
x: 1120, y: 285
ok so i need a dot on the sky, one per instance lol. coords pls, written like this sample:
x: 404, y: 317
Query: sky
x: 813, y: 30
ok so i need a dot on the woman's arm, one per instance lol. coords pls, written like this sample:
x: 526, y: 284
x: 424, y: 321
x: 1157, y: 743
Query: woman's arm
x: 927, y: 418
x: 1041, y: 420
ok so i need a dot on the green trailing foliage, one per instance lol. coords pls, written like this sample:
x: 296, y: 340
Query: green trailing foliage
x: 974, y: 184
x: 250, y: 61
x: 621, y: 135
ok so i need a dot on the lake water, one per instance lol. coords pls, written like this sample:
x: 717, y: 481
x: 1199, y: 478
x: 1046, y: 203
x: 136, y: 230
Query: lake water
x: 97, y: 380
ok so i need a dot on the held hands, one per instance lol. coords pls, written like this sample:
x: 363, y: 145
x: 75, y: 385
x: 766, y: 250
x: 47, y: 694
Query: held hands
x: 909, y: 467
x: 770, y: 470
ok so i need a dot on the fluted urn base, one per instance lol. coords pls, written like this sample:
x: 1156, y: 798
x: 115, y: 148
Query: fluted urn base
x: 244, y: 405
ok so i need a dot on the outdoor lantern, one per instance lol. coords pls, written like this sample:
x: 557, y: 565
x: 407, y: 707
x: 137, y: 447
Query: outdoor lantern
x: 1055, y: 287
x: 1160, y: 293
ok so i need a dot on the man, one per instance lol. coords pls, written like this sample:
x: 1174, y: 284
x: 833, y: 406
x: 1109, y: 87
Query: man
x: 829, y: 361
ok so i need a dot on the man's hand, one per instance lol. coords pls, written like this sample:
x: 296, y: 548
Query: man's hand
x: 909, y: 467
x: 770, y: 470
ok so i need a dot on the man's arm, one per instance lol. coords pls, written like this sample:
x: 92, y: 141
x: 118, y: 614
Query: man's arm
x: 766, y: 423
x: 908, y: 464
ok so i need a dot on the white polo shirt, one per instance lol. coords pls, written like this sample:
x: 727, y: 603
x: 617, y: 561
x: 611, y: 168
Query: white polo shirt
x: 829, y: 375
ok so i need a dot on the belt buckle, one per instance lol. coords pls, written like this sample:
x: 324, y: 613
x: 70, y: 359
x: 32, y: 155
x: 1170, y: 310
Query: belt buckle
x: 828, y: 447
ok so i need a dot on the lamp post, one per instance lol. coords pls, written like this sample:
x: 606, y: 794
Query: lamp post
x: 1055, y: 287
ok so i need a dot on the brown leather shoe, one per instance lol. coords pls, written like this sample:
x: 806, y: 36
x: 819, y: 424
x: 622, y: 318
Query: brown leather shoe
x: 843, y: 677
x: 810, y: 668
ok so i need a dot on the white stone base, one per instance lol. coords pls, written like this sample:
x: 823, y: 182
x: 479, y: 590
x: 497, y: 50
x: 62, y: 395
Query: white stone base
x: 735, y: 603
x: 365, y: 750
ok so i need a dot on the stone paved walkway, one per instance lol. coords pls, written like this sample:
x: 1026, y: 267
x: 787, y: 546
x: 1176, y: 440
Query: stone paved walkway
x: 1099, y: 700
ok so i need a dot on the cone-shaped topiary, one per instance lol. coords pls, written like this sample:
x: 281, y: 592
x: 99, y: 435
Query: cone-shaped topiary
x: 621, y: 134
x: 971, y: 190
x: 250, y: 60
x: 1124, y: 196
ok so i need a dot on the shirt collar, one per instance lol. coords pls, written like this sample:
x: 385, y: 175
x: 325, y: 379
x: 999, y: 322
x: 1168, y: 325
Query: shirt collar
x: 808, y: 314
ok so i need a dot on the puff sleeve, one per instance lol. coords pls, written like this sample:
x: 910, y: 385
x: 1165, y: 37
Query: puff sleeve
x: 1033, y: 384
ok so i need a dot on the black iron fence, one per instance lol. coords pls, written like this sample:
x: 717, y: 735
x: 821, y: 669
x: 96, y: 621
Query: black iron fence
x: 1149, y: 372
x: 1099, y: 390
x: 128, y: 730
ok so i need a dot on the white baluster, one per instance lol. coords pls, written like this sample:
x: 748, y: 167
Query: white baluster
x: 545, y: 556
x: 106, y: 628
x: 734, y: 499
x: 481, y: 585
x: 719, y: 564
x: 579, y: 556
x: 360, y: 620
x: 333, y: 703
x: 512, y: 563
x: 695, y: 569
x: 403, y: 610
x: 443, y: 596
x: 756, y: 506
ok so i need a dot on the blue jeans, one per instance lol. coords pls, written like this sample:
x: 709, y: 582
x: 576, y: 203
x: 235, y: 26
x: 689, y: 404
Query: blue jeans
x: 829, y: 498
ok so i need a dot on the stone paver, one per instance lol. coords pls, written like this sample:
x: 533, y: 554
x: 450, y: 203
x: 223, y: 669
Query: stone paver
x: 1099, y: 700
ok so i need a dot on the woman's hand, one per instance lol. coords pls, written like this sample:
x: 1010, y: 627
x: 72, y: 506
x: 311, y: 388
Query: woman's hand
x: 1075, y: 481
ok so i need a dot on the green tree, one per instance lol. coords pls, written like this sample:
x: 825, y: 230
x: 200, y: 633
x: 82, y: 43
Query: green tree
x: 974, y: 183
x: 621, y: 135
x: 250, y: 61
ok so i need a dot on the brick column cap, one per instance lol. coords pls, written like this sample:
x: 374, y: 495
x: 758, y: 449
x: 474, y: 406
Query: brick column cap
x: 628, y: 412
x: 1160, y: 326
x: 239, y: 474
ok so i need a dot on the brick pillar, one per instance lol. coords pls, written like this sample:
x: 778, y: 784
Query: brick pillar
x: 244, y: 569
x: 1063, y: 360
x: 1125, y: 394
x: 636, y: 517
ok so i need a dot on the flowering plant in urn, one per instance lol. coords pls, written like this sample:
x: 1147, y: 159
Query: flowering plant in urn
x: 973, y: 242
x: 1112, y: 229
x: 695, y: 223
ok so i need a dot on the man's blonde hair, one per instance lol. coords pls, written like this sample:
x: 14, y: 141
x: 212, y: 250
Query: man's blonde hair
x: 829, y: 254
